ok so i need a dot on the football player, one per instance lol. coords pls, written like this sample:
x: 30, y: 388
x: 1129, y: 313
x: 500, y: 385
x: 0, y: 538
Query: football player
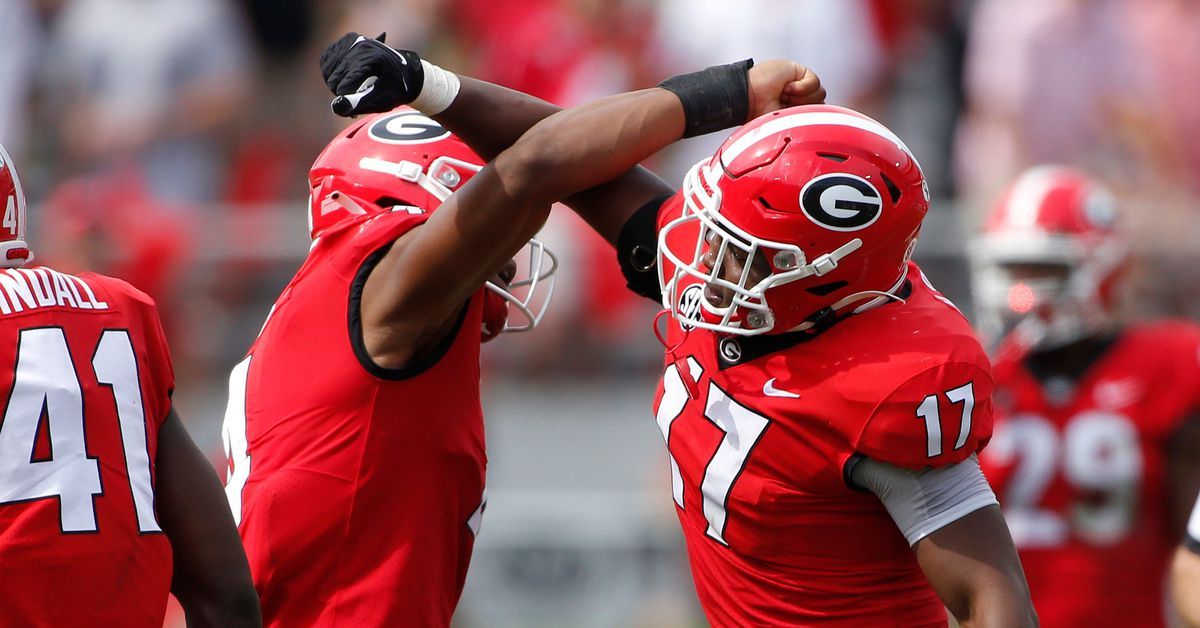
x: 1095, y: 434
x: 354, y: 430
x: 1185, y: 572
x: 821, y: 404
x: 106, y: 505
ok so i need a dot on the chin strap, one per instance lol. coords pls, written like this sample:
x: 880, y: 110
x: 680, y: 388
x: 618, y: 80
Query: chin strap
x: 827, y: 316
x: 685, y: 373
x: 824, y: 264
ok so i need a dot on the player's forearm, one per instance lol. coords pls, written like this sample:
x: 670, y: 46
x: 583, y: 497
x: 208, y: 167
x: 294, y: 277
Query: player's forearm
x: 582, y: 147
x: 490, y: 118
x: 211, y: 576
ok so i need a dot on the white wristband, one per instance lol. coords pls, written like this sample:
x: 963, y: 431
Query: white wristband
x: 440, y: 89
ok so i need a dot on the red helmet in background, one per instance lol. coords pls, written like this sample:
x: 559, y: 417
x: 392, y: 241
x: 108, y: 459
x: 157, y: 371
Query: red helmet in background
x: 1050, y: 259
x: 404, y: 158
x: 820, y: 206
x: 13, y: 249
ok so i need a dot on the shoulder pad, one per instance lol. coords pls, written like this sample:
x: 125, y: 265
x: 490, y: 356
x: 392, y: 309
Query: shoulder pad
x: 940, y: 416
x: 347, y: 247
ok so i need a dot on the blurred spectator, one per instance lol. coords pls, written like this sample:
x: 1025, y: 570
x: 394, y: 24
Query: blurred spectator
x: 111, y: 222
x: 1167, y: 39
x: 408, y: 23
x: 1048, y: 81
x: 839, y: 38
x: 282, y: 28
x: 920, y: 94
x: 565, y: 51
x: 152, y: 84
x: 19, y: 32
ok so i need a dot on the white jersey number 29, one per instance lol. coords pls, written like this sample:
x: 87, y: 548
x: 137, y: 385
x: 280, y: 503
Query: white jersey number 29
x: 46, y: 389
x: 1100, y: 458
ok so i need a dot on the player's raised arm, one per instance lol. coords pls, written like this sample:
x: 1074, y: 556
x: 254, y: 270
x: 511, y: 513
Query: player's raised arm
x: 211, y: 576
x: 428, y: 274
x: 490, y: 118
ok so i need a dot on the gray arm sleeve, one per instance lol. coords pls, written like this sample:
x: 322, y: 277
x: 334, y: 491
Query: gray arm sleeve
x: 923, y: 502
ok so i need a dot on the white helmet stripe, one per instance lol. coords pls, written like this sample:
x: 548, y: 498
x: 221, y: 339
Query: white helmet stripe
x: 811, y: 118
x: 1028, y: 194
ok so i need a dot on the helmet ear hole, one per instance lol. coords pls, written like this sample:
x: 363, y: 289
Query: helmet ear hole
x: 893, y: 191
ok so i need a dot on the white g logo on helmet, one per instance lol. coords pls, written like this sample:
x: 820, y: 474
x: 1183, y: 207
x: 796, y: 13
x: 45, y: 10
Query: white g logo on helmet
x: 841, y: 202
x: 408, y: 127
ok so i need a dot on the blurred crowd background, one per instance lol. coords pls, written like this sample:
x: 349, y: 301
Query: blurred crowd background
x: 167, y: 142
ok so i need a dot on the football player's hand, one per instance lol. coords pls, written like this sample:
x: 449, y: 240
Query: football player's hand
x: 368, y: 76
x: 778, y: 84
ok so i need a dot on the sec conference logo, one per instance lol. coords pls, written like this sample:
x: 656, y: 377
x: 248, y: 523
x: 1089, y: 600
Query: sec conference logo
x: 407, y: 127
x: 689, y: 304
x: 841, y: 202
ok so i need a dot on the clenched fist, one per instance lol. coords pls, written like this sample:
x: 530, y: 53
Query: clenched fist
x: 778, y: 84
x: 368, y: 76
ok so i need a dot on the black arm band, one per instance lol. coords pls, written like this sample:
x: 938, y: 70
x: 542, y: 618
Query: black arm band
x: 714, y: 98
x: 637, y: 251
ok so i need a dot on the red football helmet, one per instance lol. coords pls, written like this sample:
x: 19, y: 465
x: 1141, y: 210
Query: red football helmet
x: 403, y: 160
x: 1050, y: 259
x: 12, y: 227
x: 818, y: 207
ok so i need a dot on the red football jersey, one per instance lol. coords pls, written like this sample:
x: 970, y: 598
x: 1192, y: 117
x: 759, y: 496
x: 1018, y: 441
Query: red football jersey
x: 760, y: 431
x: 87, y: 380
x: 1081, y: 474
x: 358, y: 489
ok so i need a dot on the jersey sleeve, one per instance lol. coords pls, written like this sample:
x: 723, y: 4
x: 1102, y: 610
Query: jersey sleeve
x: 923, y: 502
x: 938, y: 417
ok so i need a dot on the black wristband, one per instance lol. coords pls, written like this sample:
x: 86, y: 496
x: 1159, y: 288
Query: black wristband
x: 714, y: 98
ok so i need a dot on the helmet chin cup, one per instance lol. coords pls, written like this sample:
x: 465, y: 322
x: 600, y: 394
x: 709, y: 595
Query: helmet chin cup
x: 531, y: 290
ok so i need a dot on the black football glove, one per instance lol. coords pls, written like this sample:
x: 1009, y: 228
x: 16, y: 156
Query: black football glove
x: 368, y: 76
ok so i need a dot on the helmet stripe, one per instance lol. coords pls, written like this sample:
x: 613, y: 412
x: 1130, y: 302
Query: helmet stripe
x: 811, y: 118
x: 1028, y: 194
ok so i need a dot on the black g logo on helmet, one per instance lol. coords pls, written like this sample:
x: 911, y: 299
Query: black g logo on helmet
x: 841, y: 201
x: 407, y: 127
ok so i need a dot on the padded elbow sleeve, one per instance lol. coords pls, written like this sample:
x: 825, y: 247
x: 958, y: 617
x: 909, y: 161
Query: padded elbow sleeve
x: 637, y: 251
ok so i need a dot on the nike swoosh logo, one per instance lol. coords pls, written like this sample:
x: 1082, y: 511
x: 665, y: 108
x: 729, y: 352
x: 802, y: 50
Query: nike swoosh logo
x: 770, y: 390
